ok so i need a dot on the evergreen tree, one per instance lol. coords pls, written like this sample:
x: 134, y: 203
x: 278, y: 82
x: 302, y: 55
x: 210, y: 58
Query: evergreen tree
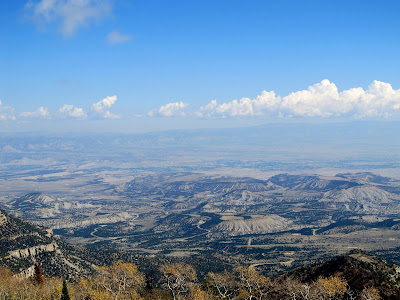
x: 38, y: 277
x: 64, y: 292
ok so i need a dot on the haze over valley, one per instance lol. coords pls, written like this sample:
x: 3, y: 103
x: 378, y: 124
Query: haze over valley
x: 268, y: 196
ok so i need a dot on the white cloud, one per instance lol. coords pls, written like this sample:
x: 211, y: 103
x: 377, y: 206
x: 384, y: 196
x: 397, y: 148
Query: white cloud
x: 41, y: 112
x: 102, y: 107
x: 116, y: 37
x: 68, y: 110
x: 244, y: 107
x: 173, y: 109
x: 319, y: 100
x: 70, y: 15
x: 208, y: 110
x: 6, y: 112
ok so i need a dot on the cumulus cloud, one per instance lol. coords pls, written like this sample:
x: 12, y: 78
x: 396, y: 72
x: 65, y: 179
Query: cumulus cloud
x: 102, y: 107
x: 71, y: 111
x: 6, y: 112
x: 267, y: 101
x: 69, y: 15
x: 116, y: 37
x: 319, y: 100
x: 41, y: 112
x: 173, y: 109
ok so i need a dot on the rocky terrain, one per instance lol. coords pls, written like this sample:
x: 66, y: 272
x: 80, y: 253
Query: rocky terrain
x: 276, y: 223
x: 22, y: 244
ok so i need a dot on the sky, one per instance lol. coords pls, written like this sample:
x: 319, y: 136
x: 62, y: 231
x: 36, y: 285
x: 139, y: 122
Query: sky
x: 138, y: 66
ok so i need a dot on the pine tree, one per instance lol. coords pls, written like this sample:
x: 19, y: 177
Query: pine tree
x: 38, y: 277
x: 64, y: 292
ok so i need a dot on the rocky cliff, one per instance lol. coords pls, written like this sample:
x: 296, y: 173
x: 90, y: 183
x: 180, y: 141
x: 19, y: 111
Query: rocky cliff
x: 22, y: 244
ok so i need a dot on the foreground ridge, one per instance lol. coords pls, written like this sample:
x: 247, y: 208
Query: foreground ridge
x: 25, y: 248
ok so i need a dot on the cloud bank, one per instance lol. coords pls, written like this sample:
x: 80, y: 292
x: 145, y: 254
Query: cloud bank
x: 319, y: 100
x: 69, y: 15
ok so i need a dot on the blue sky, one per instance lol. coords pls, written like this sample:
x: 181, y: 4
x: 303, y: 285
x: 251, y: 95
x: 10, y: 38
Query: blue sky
x: 152, y: 65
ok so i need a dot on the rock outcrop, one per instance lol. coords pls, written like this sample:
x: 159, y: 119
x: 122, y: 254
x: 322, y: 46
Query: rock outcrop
x: 267, y: 224
x: 22, y: 244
